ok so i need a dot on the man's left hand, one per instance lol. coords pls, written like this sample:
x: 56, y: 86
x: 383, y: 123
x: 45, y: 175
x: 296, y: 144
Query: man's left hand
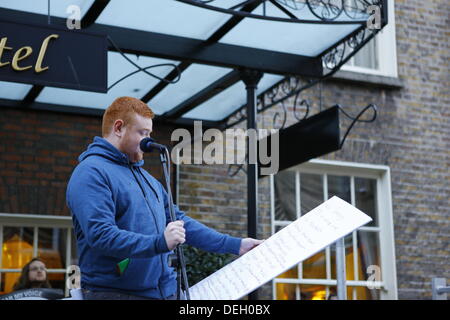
x: 248, y: 244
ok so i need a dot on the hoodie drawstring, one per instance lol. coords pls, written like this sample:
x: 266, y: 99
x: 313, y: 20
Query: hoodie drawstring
x: 154, y: 218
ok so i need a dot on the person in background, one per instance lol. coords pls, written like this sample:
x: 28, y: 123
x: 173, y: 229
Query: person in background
x: 34, y: 275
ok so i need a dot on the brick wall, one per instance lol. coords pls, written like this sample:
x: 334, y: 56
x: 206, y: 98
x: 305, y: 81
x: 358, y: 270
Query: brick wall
x: 420, y: 147
x: 39, y: 150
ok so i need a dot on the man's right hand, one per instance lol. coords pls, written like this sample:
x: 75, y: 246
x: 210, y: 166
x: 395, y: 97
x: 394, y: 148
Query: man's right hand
x: 175, y: 234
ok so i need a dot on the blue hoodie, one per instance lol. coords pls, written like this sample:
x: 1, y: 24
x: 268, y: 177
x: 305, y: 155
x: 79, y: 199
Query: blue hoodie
x: 120, y: 211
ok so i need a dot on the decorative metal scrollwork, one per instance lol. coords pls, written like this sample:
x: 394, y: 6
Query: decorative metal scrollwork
x: 340, y: 54
x: 293, y: 86
x: 292, y: 4
x: 356, y: 9
x: 326, y: 11
x: 276, y: 95
x: 303, y: 103
x: 140, y: 69
x: 323, y: 12
x: 357, y: 119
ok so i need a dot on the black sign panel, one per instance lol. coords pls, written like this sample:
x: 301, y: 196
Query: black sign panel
x: 53, y: 56
x: 308, y: 139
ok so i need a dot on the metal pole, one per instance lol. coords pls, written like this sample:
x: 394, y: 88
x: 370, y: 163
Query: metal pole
x: 340, y: 270
x: 251, y: 79
x: 182, y: 279
x: 439, y: 289
x: 48, y: 12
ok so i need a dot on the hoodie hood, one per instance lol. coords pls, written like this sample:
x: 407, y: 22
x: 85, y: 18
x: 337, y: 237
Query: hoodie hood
x: 101, y: 147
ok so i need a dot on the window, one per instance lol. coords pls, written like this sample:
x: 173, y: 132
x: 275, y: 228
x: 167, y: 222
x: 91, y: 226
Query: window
x: 25, y: 236
x: 369, y: 250
x: 379, y: 56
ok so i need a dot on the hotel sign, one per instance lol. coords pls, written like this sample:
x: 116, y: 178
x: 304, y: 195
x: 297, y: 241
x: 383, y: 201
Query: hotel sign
x: 53, y: 56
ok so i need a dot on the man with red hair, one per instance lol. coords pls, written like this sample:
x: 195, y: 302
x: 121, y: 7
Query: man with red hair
x: 121, y: 217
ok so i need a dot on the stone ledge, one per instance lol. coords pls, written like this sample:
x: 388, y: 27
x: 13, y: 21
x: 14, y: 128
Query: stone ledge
x: 367, y: 79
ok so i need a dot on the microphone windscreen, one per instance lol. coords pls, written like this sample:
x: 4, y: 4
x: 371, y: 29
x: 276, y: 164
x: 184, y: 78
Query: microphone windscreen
x: 145, y: 146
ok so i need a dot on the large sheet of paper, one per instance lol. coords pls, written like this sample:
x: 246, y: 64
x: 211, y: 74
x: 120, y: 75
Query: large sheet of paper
x: 298, y: 241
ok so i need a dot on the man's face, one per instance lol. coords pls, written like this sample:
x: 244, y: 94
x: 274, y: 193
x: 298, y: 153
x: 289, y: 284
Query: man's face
x: 134, y: 132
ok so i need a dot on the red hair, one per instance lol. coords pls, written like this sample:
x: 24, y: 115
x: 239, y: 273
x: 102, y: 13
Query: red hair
x: 124, y: 108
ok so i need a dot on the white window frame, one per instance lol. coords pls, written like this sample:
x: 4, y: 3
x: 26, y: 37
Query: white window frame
x: 386, y: 50
x: 388, y: 284
x: 36, y: 221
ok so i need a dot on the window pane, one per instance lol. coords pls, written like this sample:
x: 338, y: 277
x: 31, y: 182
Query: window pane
x: 339, y: 186
x: 74, y: 256
x: 350, y: 259
x: 17, y: 247
x: 287, y: 291
x: 8, y: 279
x: 315, y: 266
x: 317, y: 292
x: 365, y: 198
x: 348, y: 245
x: 365, y: 293
x: 2, y: 283
x: 362, y: 293
x: 290, y: 274
x: 369, y: 251
x: 16, y: 252
x: 367, y: 56
x: 311, y: 191
x: 52, y: 247
x: 52, y: 250
x: 285, y: 196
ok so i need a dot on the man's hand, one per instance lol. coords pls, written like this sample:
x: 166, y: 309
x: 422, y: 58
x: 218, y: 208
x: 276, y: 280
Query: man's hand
x: 175, y: 234
x: 248, y: 244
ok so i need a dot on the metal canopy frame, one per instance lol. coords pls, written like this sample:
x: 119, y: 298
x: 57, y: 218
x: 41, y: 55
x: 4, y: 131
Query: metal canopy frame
x: 325, y: 11
x: 245, y: 67
x: 211, y: 52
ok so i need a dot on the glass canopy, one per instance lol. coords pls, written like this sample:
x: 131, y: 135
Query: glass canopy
x: 58, y: 8
x: 207, y: 40
x: 118, y: 67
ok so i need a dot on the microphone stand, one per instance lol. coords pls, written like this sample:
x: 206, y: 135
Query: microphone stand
x: 180, y: 262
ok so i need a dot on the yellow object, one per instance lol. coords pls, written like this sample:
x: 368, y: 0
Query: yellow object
x: 15, y: 254
x: 314, y: 268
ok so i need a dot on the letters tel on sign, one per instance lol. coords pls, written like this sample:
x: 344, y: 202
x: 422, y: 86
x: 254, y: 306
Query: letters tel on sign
x: 24, y: 53
x: 51, y: 55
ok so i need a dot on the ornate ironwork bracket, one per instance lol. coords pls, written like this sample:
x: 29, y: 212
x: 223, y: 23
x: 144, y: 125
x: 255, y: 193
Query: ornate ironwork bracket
x: 234, y: 169
x: 140, y: 69
x: 332, y: 61
x: 357, y: 119
x: 326, y: 11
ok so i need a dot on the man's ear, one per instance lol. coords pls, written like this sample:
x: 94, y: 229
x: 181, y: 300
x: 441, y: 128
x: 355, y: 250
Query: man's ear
x: 118, y: 127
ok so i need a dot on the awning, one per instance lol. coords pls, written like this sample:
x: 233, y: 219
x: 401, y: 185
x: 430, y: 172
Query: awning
x: 213, y: 57
x: 209, y: 42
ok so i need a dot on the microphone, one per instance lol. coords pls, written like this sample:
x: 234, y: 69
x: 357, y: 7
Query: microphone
x: 148, y: 145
